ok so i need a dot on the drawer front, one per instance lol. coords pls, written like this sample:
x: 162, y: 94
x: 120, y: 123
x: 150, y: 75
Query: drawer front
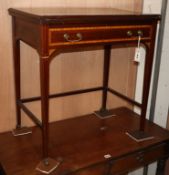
x: 100, y: 34
x: 139, y: 159
x: 95, y: 170
x: 155, y: 153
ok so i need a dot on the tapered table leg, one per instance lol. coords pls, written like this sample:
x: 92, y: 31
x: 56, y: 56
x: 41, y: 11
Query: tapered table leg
x: 103, y: 112
x: 16, y: 56
x: 47, y: 164
x: 141, y: 134
x: 19, y: 130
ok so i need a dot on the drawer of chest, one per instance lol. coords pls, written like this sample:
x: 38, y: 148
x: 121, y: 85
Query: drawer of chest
x: 93, y: 170
x: 99, y: 34
x: 139, y: 159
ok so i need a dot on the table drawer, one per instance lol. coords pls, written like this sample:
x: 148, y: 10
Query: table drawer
x: 155, y: 153
x: 95, y: 170
x: 139, y: 159
x: 101, y: 34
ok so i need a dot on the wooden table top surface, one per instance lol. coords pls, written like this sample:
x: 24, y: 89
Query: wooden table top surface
x: 88, y: 14
x: 79, y: 142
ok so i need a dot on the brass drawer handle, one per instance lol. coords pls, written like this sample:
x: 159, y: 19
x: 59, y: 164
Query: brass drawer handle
x: 129, y: 33
x: 67, y: 37
x: 140, y: 33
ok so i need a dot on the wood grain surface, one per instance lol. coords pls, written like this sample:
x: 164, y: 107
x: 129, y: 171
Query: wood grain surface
x: 81, y: 143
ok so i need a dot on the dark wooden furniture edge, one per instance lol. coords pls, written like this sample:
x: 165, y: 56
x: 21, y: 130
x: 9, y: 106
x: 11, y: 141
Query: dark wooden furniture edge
x: 89, y: 19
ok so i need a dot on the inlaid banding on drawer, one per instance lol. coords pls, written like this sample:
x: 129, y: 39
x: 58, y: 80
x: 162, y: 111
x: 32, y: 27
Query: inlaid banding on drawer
x: 99, y: 34
x: 139, y: 159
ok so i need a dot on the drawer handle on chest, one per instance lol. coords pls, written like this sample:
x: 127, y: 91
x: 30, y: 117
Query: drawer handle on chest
x: 129, y: 33
x: 67, y: 37
x: 140, y: 33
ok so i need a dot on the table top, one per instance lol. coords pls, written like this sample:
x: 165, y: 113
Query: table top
x: 65, y: 14
x: 75, y: 11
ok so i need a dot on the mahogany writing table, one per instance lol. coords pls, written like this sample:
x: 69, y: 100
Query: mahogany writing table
x: 52, y: 31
